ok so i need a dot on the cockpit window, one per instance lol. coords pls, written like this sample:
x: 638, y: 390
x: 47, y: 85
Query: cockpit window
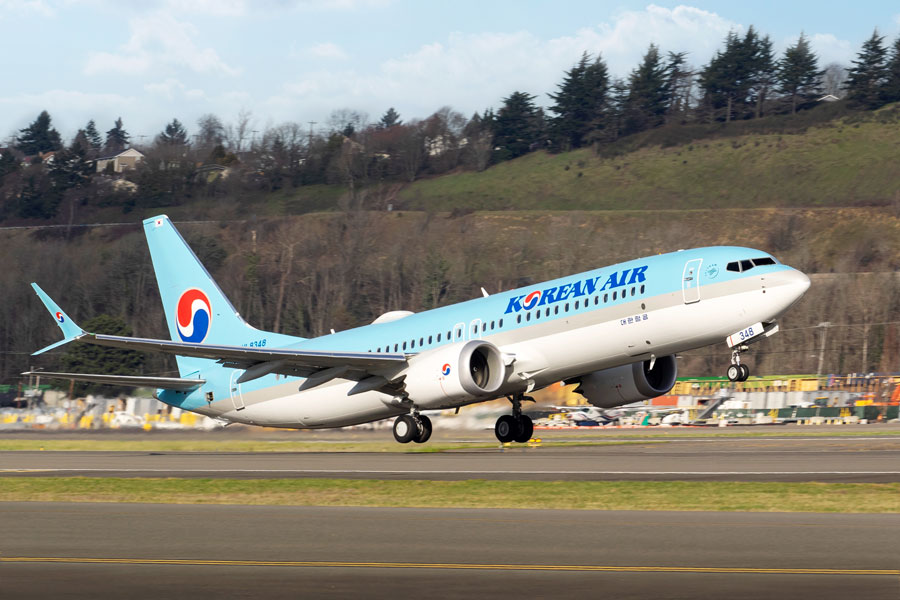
x: 740, y: 266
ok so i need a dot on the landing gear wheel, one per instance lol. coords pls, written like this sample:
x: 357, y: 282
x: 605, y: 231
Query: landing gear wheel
x: 734, y: 372
x: 506, y: 429
x: 526, y: 429
x: 424, y: 431
x: 745, y: 373
x: 405, y: 429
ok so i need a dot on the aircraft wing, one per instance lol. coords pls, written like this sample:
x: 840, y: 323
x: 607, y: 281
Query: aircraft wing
x: 261, y: 361
x: 166, y: 383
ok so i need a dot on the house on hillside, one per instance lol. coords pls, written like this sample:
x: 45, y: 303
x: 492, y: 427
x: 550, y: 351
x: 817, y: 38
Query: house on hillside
x: 127, y: 159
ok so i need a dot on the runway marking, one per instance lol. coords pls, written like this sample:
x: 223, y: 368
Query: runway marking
x: 465, y: 566
x: 440, y: 472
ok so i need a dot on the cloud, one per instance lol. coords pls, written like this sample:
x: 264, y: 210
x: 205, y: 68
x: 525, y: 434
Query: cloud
x: 327, y: 50
x: 26, y: 6
x: 830, y: 49
x: 158, y: 40
x: 75, y: 107
x: 473, y: 71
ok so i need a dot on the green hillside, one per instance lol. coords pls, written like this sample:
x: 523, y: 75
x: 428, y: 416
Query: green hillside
x: 847, y: 162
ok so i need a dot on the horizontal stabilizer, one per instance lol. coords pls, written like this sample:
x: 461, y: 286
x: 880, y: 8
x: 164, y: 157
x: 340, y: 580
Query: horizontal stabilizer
x: 166, y: 383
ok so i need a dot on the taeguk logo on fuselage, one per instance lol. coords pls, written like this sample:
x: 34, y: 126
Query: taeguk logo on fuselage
x: 193, y: 315
x: 584, y: 287
x: 445, y: 370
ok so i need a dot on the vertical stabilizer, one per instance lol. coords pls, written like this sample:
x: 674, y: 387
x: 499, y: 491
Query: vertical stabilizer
x: 196, y: 309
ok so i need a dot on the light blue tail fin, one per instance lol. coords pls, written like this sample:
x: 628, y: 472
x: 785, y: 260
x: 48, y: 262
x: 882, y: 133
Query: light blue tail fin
x: 196, y: 309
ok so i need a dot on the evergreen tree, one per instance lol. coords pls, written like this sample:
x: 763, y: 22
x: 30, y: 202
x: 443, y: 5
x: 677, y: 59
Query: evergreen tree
x: 581, y: 102
x: 390, y: 118
x: 38, y: 137
x: 680, y: 84
x: 799, y: 76
x: 649, y: 93
x: 88, y: 358
x: 71, y: 166
x: 93, y: 136
x: 725, y: 80
x: 764, y: 72
x: 8, y: 163
x: 116, y: 138
x: 173, y: 135
x: 892, y: 83
x: 867, y: 77
x: 517, y: 126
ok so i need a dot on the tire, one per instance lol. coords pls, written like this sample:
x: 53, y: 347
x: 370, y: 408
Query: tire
x: 506, y: 429
x: 424, y: 431
x: 745, y: 373
x: 526, y: 429
x: 734, y: 373
x: 405, y: 429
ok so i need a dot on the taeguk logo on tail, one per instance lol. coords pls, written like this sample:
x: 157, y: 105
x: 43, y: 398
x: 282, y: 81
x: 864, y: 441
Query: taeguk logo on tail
x: 445, y: 370
x: 60, y: 317
x: 193, y: 314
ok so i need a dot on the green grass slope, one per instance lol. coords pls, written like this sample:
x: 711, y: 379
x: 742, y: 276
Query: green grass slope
x: 846, y: 162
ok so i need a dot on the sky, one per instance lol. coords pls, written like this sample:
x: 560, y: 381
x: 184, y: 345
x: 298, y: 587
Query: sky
x: 149, y: 61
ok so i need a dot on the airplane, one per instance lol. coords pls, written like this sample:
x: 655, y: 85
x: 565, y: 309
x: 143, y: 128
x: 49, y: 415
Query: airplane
x: 613, y: 331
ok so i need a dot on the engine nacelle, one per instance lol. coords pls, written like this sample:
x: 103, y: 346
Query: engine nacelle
x: 454, y: 373
x: 628, y: 383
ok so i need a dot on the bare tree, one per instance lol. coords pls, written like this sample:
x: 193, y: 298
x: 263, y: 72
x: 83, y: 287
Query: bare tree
x: 833, y: 80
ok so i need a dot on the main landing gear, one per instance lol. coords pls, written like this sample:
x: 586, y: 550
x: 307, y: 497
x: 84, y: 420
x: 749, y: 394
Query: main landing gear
x: 515, y: 427
x: 737, y: 371
x: 412, y: 428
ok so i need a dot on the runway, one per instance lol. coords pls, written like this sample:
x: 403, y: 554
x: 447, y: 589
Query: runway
x: 794, y: 459
x: 153, y: 551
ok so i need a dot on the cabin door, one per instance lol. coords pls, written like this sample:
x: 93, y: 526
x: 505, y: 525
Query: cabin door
x: 237, y: 397
x: 690, y: 282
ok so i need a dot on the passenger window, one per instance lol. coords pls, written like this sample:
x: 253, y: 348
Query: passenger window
x: 537, y: 314
x: 567, y: 307
x: 576, y: 304
x: 459, y: 332
x: 500, y: 324
x: 547, y: 312
x: 596, y: 300
x: 642, y: 289
x: 421, y: 341
x: 605, y: 298
x: 439, y: 338
x: 492, y: 325
x: 429, y: 339
x: 528, y: 316
x: 518, y: 318
x: 632, y: 291
x: 412, y: 344
x: 614, y: 296
x: 483, y: 327
x: 404, y: 345
x: 378, y: 350
x: 556, y: 310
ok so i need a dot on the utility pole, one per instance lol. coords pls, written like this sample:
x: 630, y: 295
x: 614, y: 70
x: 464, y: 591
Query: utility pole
x: 311, y: 123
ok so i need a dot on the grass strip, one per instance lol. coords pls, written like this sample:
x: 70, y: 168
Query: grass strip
x: 587, y: 495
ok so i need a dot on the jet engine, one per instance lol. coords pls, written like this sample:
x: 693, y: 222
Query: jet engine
x: 447, y: 375
x: 628, y: 383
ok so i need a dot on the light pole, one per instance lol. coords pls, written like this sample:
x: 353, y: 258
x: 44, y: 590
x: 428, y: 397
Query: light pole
x: 824, y: 325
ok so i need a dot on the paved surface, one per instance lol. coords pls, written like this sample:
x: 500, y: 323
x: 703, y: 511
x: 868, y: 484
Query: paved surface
x: 168, y: 551
x: 830, y: 459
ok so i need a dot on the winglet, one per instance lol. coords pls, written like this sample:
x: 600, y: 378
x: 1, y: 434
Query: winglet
x: 70, y: 330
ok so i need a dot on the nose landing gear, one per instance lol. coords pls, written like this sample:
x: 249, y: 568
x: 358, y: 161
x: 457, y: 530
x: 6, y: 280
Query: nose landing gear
x: 515, y: 427
x: 738, y: 372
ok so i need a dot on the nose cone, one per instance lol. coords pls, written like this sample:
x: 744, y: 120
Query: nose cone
x: 798, y: 282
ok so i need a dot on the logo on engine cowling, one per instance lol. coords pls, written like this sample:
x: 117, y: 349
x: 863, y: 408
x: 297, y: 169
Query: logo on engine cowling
x: 445, y: 370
